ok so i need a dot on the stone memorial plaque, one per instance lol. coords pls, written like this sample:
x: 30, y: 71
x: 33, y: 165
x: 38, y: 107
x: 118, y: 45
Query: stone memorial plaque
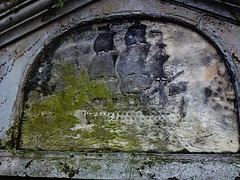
x: 130, y: 86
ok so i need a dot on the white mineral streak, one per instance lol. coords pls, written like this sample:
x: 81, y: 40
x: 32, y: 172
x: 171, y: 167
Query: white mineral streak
x: 82, y: 116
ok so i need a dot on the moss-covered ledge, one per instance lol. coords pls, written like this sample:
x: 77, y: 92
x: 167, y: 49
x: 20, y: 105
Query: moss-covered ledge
x: 119, y: 165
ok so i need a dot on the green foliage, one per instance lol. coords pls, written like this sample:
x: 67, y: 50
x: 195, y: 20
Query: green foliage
x: 60, y: 4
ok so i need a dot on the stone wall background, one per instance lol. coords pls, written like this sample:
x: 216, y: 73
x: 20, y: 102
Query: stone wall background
x: 18, y: 58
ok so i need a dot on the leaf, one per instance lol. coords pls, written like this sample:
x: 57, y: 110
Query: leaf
x: 60, y: 4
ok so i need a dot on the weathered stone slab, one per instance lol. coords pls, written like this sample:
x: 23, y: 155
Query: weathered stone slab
x: 23, y: 41
x: 77, y: 165
x: 185, y: 102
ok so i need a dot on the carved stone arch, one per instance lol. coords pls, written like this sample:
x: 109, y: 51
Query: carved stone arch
x: 145, y: 80
x: 182, y: 21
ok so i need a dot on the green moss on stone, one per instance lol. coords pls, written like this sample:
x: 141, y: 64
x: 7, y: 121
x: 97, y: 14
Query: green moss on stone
x: 48, y: 123
x: 10, y: 141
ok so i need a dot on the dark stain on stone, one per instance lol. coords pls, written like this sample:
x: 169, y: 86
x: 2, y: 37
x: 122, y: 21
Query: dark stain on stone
x: 217, y: 107
x: 135, y: 83
x: 219, y: 89
x: 28, y: 164
x: 103, y: 66
x: 101, y: 28
x: 140, y: 171
x: 235, y: 58
x: 155, y: 65
x: 155, y: 31
x: 152, y: 175
x: 176, y: 88
x: 104, y: 42
x: 226, y: 107
x: 215, y: 94
x: 162, y: 45
x: 162, y: 95
x: 207, y: 60
x: 48, y: 14
x: 173, y: 178
x: 138, y: 74
x: 231, y: 99
x: 182, y: 110
x: 149, y: 163
x: 72, y: 173
x: 87, y: 50
x: 115, y: 59
x: 40, y: 78
x: 132, y: 60
x: 208, y: 92
x: 144, y: 100
x: 135, y: 34
x: 72, y: 155
x: 68, y: 170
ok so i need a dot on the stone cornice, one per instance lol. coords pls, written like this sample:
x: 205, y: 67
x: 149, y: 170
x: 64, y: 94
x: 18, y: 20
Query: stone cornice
x: 19, y: 21
x: 224, y: 9
x: 9, y: 6
x: 23, y: 16
x: 118, y: 165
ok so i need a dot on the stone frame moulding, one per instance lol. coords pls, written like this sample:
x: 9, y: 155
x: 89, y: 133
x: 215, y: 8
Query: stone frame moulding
x: 44, y: 28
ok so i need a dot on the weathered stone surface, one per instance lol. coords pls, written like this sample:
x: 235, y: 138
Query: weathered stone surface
x: 223, y: 32
x: 77, y: 165
x: 17, y: 57
x: 177, y: 88
x: 152, y: 87
x: 135, y: 83
x: 27, y: 48
x: 135, y: 34
x: 104, y: 42
x: 132, y: 60
x: 103, y: 66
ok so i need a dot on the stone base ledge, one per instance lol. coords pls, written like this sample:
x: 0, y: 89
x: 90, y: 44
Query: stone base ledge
x: 119, y: 165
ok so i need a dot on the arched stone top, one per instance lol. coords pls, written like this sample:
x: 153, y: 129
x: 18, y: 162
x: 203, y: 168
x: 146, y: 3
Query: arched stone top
x: 138, y: 86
